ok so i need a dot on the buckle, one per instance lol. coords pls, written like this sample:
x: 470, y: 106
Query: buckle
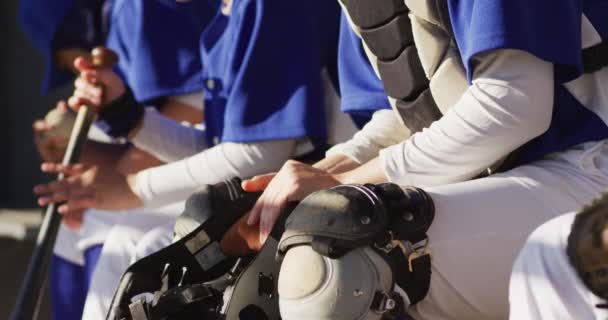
x: 411, y: 251
x: 416, y: 251
x: 383, y: 302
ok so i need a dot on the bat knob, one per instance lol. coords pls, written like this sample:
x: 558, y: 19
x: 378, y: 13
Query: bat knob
x: 104, y: 57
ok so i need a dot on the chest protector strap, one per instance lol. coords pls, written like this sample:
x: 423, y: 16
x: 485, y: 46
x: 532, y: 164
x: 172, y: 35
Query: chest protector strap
x: 596, y: 57
x: 386, y: 30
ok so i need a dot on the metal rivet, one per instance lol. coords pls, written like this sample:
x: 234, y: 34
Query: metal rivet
x: 210, y: 84
x: 390, y: 304
x: 357, y: 293
x: 408, y: 217
x: 366, y: 220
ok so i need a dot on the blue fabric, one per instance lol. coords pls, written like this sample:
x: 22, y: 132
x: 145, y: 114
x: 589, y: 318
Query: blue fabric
x: 361, y: 90
x: 263, y: 69
x: 58, y: 24
x: 158, y: 45
x: 91, y: 257
x: 551, y: 30
x: 69, y: 284
x: 67, y: 289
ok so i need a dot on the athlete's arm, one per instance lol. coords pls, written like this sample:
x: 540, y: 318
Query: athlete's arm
x: 167, y: 139
x: 509, y: 103
x: 382, y: 131
x: 176, y: 181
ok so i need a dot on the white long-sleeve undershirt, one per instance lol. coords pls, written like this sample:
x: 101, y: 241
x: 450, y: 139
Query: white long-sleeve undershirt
x: 383, y: 130
x: 176, y: 181
x: 167, y: 139
x: 509, y: 103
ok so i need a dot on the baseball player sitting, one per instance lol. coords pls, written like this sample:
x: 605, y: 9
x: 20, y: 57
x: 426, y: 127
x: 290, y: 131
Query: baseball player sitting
x: 84, y: 242
x: 260, y: 110
x: 485, y: 80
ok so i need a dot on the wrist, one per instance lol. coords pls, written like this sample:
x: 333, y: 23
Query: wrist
x: 121, y: 117
x: 132, y: 183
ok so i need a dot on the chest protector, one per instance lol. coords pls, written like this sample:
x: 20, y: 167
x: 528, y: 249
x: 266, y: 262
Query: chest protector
x: 411, y: 48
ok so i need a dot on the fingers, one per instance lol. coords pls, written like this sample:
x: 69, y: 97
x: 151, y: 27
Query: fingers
x: 257, y: 183
x: 83, y: 63
x: 254, y: 214
x: 76, y: 204
x: 73, y: 169
x: 86, y: 92
x: 269, y: 215
x: 40, y: 126
x: 62, y: 106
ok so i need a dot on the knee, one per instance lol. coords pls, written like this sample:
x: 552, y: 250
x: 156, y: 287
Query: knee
x: 312, y: 286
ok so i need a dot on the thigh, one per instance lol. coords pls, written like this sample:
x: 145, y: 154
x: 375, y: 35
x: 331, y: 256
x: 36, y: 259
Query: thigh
x: 481, y: 225
x: 115, y: 257
x: 153, y: 241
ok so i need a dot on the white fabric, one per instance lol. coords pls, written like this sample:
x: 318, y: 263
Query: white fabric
x: 123, y: 247
x: 509, y: 102
x: 167, y: 139
x: 383, y: 130
x: 176, y: 181
x: 543, y: 283
x: 480, y: 226
x: 194, y: 99
x: 65, y: 246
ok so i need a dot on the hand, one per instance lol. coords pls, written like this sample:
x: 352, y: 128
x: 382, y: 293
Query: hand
x: 87, y: 186
x: 73, y: 220
x: 293, y: 182
x: 94, y: 87
x: 65, y: 58
x: 50, y: 144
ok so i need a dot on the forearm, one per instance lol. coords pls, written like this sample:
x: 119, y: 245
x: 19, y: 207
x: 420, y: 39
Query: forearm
x: 383, y: 130
x: 509, y: 103
x: 104, y: 154
x: 370, y: 172
x: 336, y: 163
x: 176, y: 181
x: 167, y: 139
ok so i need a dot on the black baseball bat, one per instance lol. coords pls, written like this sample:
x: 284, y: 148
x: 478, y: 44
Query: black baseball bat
x: 32, y: 289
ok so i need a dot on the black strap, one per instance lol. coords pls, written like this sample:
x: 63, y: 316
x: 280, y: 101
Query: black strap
x: 595, y: 58
x: 415, y: 281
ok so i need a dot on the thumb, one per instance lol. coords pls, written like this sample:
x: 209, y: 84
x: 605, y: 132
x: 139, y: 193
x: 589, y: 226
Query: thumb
x: 83, y: 63
x: 257, y: 183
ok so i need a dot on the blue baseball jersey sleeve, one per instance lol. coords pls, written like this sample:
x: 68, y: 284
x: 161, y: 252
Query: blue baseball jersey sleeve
x: 552, y: 31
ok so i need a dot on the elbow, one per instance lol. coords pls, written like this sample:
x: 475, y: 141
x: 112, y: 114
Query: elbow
x: 539, y: 123
x: 539, y: 119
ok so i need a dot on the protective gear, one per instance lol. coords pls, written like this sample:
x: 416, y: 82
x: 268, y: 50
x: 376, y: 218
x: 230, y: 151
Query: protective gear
x: 120, y: 116
x: 374, y: 234
x: 588, y: 247
x: 389, y: 37
x: 596, y: 57
x: 177, y: 273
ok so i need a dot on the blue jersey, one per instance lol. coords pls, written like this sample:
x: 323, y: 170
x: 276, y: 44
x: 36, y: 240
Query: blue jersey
x: 361, y: 90
x: 60, y: 24
x: 551, y: 30
x: 158, y: 45
x: 263, y: 69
